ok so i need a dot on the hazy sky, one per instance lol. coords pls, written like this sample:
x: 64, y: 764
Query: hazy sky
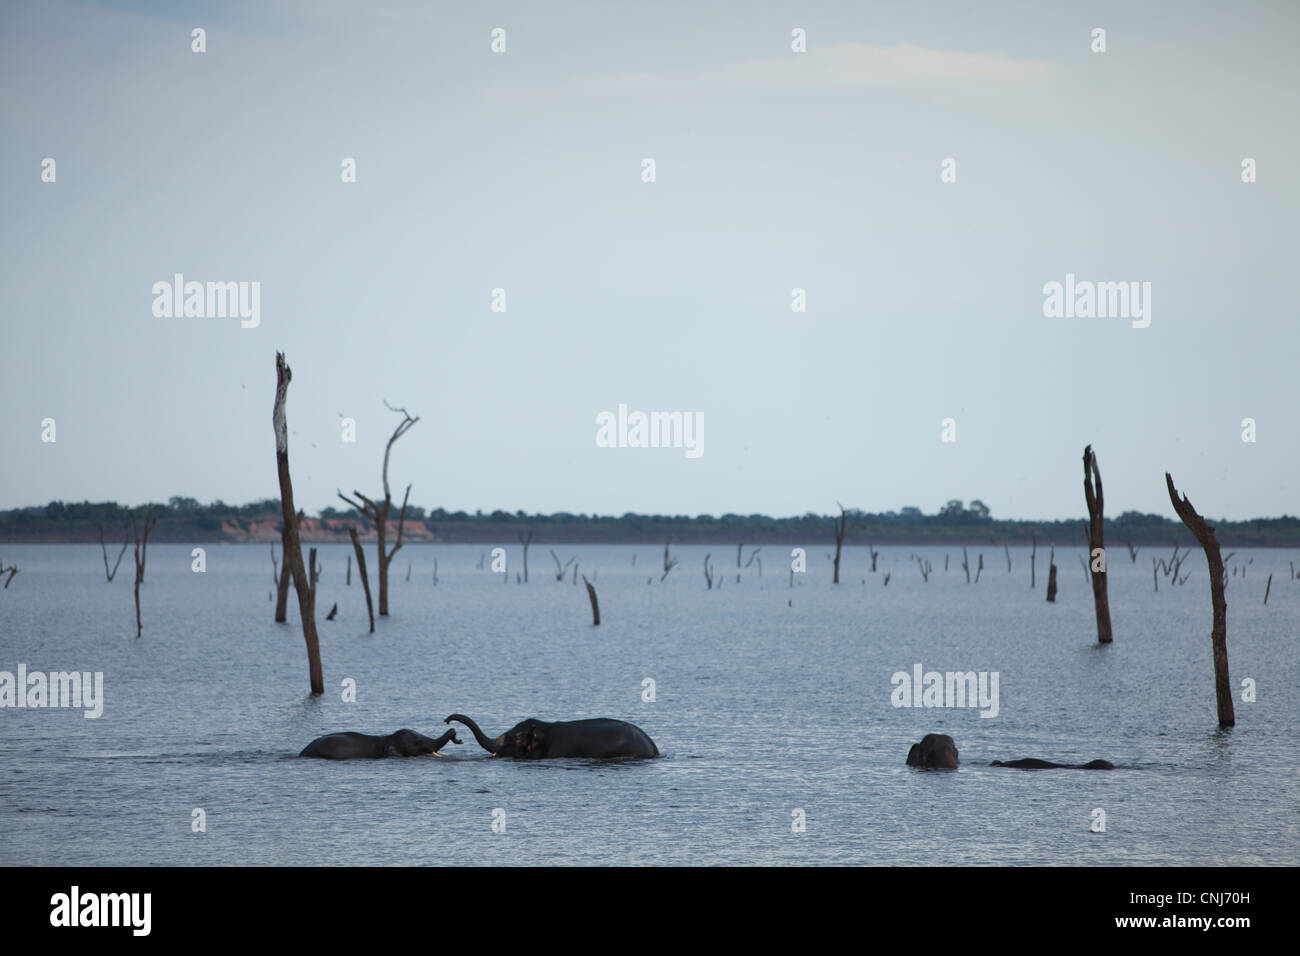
x: 774, y: 170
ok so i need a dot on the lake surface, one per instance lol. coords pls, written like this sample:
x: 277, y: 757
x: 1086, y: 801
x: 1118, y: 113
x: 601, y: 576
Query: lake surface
x: 768, y: 699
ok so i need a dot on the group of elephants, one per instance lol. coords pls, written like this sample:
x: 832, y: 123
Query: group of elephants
x: 531, y: 739
x: 599, y: 738
x: 939, y: 752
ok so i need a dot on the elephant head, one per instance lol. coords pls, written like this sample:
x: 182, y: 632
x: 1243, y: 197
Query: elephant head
x: 935, y: 751
x: 407, y: 743
x: 526, y: 739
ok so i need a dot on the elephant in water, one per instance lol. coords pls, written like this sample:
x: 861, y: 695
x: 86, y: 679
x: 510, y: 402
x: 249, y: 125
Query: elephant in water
x: 534, y: 739
x: 402, y: 743
x: 935, y: 751
x: 1033, y: 763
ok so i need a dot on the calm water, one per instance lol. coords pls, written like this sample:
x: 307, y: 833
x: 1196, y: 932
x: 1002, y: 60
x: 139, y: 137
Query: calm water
x: 768, y: 698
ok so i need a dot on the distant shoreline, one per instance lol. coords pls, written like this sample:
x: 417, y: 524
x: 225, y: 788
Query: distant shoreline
x: 185, y: 521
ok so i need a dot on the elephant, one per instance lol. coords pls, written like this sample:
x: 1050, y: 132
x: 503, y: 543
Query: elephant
x: 935, y: 752
x: 402, y: 743
x: 1033, y: 763
x: 534, y: 739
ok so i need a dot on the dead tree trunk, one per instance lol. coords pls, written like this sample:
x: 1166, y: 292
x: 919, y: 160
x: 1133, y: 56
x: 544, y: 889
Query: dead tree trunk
x: 669, y: 563
x: 979, y: 570
x: 1008, y: 551
x: 378, y: 512
x: 708, y: 573
x: 11, y: 571
x: 141, y: 551
x: 561, y: 570
x: 282, y: 588
x: 293, y: 544
x: 595, y: 606
x: 1268, y: 587
x: 841, y: 526
x: 348, y: 582
x: 315, y: 573
x: 1219, y: 635
x: 525, y: 539
x: 965, y: 563
x: 1096, y: 543
x: 1033, y: 559
x: 125, y: 541
x: 365, y: 578
x: 1051, y: 575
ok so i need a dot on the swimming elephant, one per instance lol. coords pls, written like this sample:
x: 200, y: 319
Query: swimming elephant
x: 1033, y: 763
x: 534, y: 739
x: 935, y: 751
x: 402, y: 743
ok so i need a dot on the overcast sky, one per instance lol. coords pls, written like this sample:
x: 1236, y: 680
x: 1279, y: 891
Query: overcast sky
x: 775, y: 170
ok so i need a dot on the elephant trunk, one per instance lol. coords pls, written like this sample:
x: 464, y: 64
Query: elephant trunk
x: 490, y: 744
x: 448, y: 737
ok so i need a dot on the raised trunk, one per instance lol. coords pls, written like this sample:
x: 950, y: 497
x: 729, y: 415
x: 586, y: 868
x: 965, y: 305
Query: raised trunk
x: 491, y: 744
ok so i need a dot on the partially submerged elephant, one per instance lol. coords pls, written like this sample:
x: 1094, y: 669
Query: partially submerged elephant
x: 402, y: 743
x: 534, y: 739
x: 1033, y: 763
x: 935, y: 752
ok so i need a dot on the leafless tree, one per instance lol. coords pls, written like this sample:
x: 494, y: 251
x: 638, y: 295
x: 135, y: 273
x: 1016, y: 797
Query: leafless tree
x: 1008, y: 551
x: 525, y: 539
x: 365, y: 578
x: 282, y: 588
x: 11, y: 571
x: 708, y: 572
x: 141, y: 552
x: 378, y: 512
x: 965, y: 563
x: 980, y: 569
x: 1132, y: 552
x: 841, y: 526
x: 1033, y: 559
x: 560, y: 569
x: 1219, y: 635
x: 669, y: 562
x: 595, y: 606
x: 1051, y: 575
x: 1092, y: 494
x: 125, y: 541
x: 293, y: 544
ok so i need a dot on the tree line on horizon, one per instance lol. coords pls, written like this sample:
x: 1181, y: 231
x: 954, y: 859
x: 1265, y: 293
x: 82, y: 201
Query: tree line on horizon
x: 185, y: 517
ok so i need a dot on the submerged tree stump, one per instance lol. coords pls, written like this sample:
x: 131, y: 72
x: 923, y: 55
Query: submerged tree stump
x: 595, y: 606
x: 1096, y: 542
x: 365, y: 578
x: 1219, y: 635
x: 293, y: 544
x: 1051, y: 576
